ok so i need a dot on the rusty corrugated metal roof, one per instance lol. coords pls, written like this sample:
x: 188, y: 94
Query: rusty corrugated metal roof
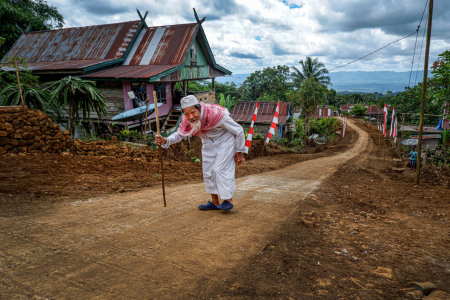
x: 162, y: 45
x: 61, y: 65
x: 75, y: 47
x: 243, y: 112
x: 157, y: 49
x: 131, y: 72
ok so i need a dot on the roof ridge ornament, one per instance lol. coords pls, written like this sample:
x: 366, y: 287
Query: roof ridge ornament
x: 197, y: 19
x: 142, y: 18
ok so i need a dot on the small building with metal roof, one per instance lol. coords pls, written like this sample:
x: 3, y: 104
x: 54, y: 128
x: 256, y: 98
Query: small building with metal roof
x: 243, y: 112
x: 125, y: 57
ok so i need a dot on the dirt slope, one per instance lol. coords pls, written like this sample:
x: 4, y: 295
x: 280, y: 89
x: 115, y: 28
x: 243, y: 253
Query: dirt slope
x: 321, y: 228
x: 128, y: 245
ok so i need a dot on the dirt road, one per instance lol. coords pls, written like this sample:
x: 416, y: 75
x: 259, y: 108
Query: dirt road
x: 130, y: 246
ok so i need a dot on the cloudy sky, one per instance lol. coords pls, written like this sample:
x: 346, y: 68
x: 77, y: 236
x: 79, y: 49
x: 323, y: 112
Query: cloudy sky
x: 248, y: 35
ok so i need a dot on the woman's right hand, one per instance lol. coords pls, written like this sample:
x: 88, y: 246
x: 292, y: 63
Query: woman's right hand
x: 160, y: 140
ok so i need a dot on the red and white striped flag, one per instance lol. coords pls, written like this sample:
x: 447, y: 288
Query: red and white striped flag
x: 345, y: 126
x: 273, y: 126
x: 248, y: 142
x: 392, y: 121
x: 395, y: 130
x: 385, y: 112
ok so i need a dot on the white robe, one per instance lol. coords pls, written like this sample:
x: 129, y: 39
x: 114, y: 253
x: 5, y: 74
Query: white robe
x: 220, y: 144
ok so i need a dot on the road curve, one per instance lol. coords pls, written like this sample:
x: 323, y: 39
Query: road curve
x: 130, y: 246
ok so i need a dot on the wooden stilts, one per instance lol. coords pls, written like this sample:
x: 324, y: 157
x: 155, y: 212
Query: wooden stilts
x: 159, y: 147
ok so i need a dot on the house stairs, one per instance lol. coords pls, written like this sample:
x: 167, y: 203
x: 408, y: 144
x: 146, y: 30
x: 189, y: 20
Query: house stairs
x: 172, y: 121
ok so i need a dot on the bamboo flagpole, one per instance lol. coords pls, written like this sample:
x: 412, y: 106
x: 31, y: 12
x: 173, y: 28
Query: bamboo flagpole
x: 155, y: 101
x: 18, y: 80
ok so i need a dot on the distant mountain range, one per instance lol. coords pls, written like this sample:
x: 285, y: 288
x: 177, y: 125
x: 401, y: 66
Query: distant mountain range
x: 357, y: 81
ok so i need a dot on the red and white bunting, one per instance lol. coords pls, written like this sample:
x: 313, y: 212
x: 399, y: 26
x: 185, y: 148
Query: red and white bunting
x: 344, y: 127
x: 392, y: 121
x: 248, y: 142
x: 395, y: 130
x: 273, y: 126
x: 385, y: 112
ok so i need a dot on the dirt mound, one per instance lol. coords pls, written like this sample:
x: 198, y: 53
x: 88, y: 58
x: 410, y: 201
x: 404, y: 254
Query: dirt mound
x: 114, y: 148
x: 24, y: 130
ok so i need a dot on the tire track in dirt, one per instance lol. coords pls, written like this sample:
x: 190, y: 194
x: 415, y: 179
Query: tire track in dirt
x: 130, y: 246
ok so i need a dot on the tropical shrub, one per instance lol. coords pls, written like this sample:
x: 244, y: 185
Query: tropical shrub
x: 358, y: 110
x: 228, y: 102
x: 324, y: 127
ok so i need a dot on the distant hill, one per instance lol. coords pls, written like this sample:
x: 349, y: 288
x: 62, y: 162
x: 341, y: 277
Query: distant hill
x: 357, y: 81
x: 370, y: 82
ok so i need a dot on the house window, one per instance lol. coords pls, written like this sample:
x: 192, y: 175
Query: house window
x: 160, y: 90
x: 140, y: 92
x: 193, y: 56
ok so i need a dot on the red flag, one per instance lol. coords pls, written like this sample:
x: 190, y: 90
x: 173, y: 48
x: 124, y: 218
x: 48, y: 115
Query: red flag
x: 248, y: 142
x: 273, y: 126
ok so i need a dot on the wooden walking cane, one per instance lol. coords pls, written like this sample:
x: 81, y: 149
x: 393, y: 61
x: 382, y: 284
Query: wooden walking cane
x: 159, y: 146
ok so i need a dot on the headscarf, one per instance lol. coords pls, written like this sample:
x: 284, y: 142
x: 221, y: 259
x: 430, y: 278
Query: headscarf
x: 211, y: 116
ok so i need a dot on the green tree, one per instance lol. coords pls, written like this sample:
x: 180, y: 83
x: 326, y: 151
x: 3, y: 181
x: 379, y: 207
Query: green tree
x: 32, y: 14
x: 310, y: 68
x: 270, y: 84
x: 310, y: 95
x: 228, y: 88
x: 78, y: 95
x: 441, y: 80
x: 358, y: 110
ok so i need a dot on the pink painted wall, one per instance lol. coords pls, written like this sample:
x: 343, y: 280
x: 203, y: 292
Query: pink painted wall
x: 126, y: 89
x: 163, y: 110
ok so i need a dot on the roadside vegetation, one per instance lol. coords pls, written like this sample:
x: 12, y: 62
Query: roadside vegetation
x: 306, y: 85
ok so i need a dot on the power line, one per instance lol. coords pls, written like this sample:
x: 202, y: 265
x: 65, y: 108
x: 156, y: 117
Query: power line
x: 414, y: 54
x: 407, y: 36
x: 420, y: 53
x: 415, y: 44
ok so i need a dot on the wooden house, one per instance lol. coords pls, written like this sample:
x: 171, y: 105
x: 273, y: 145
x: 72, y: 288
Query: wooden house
x: 243, y: 112
x: 125, y: 57
x: 324, y: 112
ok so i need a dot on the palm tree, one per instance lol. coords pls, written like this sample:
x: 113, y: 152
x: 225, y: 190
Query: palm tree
x: 77, y: 94
x: 311, y: 68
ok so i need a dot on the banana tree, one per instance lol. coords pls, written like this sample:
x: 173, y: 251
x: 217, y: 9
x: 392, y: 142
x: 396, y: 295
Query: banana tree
x: 228, y: 102
x: 78, y: 95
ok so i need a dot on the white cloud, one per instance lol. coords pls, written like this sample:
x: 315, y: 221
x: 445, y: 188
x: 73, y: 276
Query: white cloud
x: 248, y: 35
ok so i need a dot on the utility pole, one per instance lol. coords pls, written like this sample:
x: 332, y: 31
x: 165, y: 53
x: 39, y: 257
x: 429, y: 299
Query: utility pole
x: 424, y: 90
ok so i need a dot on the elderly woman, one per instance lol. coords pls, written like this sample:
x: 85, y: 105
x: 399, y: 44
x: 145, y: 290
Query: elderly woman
x: 223, y: 143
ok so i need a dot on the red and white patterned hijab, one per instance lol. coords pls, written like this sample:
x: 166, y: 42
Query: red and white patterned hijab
x: 211, y: 115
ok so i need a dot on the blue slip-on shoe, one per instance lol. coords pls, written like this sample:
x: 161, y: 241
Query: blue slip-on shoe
x: 207, y: 206
x: 226, y: 206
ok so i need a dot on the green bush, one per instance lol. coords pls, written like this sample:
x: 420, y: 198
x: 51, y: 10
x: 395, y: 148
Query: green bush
x: 324, y: 127
x: 299, y: 128
x: 283, y: 141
